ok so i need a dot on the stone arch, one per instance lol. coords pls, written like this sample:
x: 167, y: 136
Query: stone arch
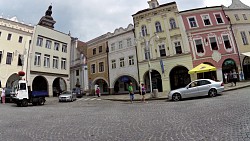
x: 59, y: 85
x: 179, y: 77
x: 40, y: 83
x: 12, y: 78
x: 102, y: 83
x: 246, y: 67
x: 122, y: 82
x: 155, y: 78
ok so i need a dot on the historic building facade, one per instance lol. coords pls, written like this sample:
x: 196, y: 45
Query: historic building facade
x: 49, y: 58
x: 122, y: 60
x: 239, y: 15
x: 15, y: 39
x: 78, y: 65
x: 162, y: 47
x: 211, y: 40
x: 97, y: 54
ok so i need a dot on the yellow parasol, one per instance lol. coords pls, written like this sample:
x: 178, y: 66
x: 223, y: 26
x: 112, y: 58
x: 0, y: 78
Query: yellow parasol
x: 202, y: 68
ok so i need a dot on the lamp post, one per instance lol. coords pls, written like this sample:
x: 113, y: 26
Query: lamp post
x: 147, y: 43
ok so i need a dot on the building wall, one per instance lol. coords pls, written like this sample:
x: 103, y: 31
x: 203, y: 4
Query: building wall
x: 14, y: 47
x: 54, y: 36
x: 122, y: 34
x: 167, y: 37
x: 96, y: 59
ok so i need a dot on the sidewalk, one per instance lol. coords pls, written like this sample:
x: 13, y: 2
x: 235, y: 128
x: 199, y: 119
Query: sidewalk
x: 164, y: 96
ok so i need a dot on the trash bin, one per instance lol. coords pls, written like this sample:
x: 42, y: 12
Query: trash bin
x: 155, y: 93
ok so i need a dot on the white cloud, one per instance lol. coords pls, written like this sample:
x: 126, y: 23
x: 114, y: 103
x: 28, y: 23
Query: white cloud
x: 87, y: 19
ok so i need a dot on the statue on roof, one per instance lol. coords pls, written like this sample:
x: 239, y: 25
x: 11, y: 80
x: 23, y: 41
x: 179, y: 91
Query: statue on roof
x: 49, y: 11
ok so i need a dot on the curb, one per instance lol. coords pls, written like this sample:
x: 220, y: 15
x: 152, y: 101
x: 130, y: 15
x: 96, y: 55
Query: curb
x: 151, y: 99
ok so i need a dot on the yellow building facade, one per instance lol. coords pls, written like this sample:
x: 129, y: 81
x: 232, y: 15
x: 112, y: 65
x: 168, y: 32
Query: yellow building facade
x: 162, y: 47
x: 239, y: 15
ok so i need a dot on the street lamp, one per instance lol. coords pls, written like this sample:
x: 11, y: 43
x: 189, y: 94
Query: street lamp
x: 147, y: 50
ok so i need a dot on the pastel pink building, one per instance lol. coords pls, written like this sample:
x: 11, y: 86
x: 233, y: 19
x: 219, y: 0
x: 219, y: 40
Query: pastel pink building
x: 211, y: 40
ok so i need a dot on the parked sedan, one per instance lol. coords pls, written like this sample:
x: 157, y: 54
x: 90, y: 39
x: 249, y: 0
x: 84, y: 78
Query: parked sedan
x: 200, y: 87
x: 67, y: 96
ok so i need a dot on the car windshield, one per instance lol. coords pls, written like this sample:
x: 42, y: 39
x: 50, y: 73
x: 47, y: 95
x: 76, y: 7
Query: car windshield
x: 66, y: 92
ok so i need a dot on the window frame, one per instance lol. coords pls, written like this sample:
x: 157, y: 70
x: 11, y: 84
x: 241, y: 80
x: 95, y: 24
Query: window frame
x: 237, y: 18
x: 195, y: 20
x: 120, y: 45
x: 244, y: 16
x: 56, y: 46
x: 20, y: 39
x: 94, y: 51
x: 144, y: 31
x: 48, y: 44
x: 122, y: 62
x: 179, y: 46
x: 63, y: 63
x: 9, y: 36
x: 129, y: 42
x: 39, y: 41
x: 55, y: 62
x: 172, y: 23
x: 93, y: 68
x: 220, y: 18
x: 113, y: 47
x: 161, y: 49
x: 9, y: 58
x: 203, y: 17
x: 202, y: 44
x: 100, y: 49
x: 244, y: 38
x: 101, y: 67
x: 113, y: 64
x: 1, y: 55
x: 223, y: 35
x: 37, y: 60
x: 46, y: 61
x: 131, y: 60
x: 64, y: 48
x: 158, y: 27
x: 211, y: 47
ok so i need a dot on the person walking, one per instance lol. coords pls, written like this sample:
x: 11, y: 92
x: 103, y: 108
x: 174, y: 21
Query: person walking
x: 143, y: 92
x: 97, y: 91
x: 3, y: 95
x: 231, y: 78
x: 235, y: 77
x: 131, y: 92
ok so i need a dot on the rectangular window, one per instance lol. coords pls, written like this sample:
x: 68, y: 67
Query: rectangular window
x: 213, y: 43
x: 162, y: 50
x: 178, y: 47
x: 1, y: 54
x: 39, y: 41
x: 64, y: 48
x: 46, y: 61
x: 206, y: 20
x: 244, y: 16
x: 48, y: 44
x: 9, y: 36
x: 122, y: 63
x: 113, y: 47
x: 56, y: 46
x: 93, y: 68
x: 226, y: 41
x: 120, y: 44
x: 100, y: 49
x: 244, y: 38
x: 9, y: 58
x: 218, y: 19
x: 101, y: 67
x: 131, y: 60
x: 129, y: 42
x: 20, y: 40
x: 237, y: 17
x: 113, y: 63
x: 77, y: 72
x: 63, y: 64
x: 199, y: 46
x: 37, y: 59
x: 20, y: 62
x: 192, y: 22
x: 94, y: 51
x: 55, y: 62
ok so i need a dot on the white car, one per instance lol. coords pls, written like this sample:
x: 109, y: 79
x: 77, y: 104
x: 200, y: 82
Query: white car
x: 67, y: 96
x: 200, y: 87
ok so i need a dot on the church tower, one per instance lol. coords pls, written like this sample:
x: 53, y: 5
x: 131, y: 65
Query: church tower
x: 47, y: 20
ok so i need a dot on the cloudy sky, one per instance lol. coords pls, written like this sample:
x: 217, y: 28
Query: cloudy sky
x: 87, y: 19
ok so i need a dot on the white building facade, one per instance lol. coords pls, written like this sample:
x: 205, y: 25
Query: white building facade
x: 49, y: 58
x: 122, y: 60
x: 15, y: 40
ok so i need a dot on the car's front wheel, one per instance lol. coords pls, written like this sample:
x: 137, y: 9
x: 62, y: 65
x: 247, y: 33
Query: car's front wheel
x: 212, y: 92
x: 176, y: 97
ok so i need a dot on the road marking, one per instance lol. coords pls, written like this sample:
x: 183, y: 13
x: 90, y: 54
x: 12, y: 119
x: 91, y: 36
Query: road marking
x: 93, y: 99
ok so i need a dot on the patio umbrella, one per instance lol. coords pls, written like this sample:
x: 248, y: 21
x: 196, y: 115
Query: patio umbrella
x: 202, y: 68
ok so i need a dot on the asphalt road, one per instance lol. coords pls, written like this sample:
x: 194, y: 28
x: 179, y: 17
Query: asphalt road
x: 225, y: 117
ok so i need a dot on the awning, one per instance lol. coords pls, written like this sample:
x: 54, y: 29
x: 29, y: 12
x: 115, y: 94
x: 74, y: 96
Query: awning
x: 202, y: 68
x: 246, y: 54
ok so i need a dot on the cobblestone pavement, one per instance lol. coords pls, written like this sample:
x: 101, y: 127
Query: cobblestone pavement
x: 224, y: 118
